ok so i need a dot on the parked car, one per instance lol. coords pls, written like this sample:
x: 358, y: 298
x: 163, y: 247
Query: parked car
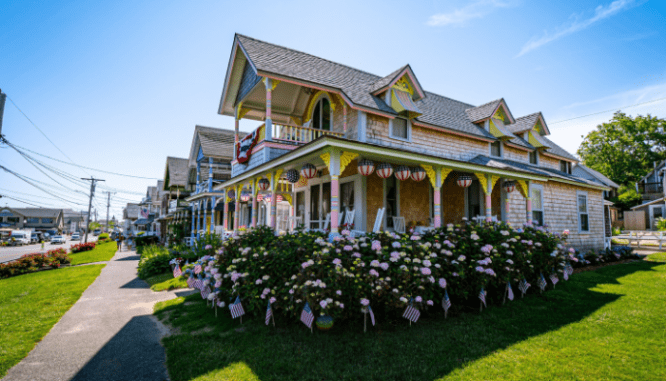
x: 57, y: 239
x: 97, y: 232
x: 19, y: 238
x: 76, y: 237
x: 35, y: 238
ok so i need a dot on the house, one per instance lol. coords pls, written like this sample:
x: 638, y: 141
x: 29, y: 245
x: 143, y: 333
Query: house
x: 651, y: 186
x: 339, y: 145
x: 177, y: 187
x: 35, y: 219
x: 130, y: 215
x: 74, y: 221
x: 611, y: 212
x: 652, y: 210
x: 211, y: 154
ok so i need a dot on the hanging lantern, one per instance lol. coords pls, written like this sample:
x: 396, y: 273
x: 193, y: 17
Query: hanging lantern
x: 403, y: 173
x: 509, y: 186
x: 308, y: 171
x: 384, y: 170
x: 260, y: 197
x: 245, y: 196
x: 418, y: 173
x: 366, y: 167
x: 292, y: 176
x: 264, y: 184
x: 464, y: 180
x: 231, y: 194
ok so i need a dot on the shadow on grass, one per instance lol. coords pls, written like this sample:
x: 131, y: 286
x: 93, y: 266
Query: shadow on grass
x: 136, y: 283
x: 430, y: 349
x: 129, y: 258
x: 134, y: 353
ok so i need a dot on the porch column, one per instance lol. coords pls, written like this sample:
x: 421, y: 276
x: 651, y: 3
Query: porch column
x: 225, y: 218
x: 236, y: 136
x: 212, y: 215
x: 269, y: 119
x: 529, y: 204
x: 210, y: 174
x: 198, y: 176
x: 506, y: 204
x: 254, y: 203
x: 237, y: 208
x: 198, y: 218
x: 437, y: 195
x: 205, y: 219
x: 489, y: 199
x: 193, y: 227
x: 275, y: 179
x: 334, y: 169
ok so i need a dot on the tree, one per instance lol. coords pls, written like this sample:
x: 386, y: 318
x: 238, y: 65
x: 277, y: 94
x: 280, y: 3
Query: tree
x: 627, y: 198
x: 625, y: 148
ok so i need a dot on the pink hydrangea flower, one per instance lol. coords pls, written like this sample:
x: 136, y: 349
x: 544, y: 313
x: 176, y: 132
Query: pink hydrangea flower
x: 376, y: 245
x: 337, y: 262
x: 348, y: 248
x: 425, y: 271
x: 323, y: 304
x: 384, y: 266
x: 374, y: 273
x: 339, y: 292
x: 365, y: 302
x: 418, y: 299
x: 291, y: 291
x: 430, y: 303
x: 218, y: 284
x: 258, y: 281
x: 208, y: 247
x: 273, y: 300
x: 442, y: 282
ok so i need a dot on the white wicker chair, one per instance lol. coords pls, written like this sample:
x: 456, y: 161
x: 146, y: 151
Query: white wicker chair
x: 399, y: 225
x: 379, y: 220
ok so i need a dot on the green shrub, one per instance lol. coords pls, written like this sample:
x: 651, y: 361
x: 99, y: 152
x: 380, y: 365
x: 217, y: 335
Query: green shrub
x: 103, y: 236
x: 154, y: 261
x: 144, y: 240
x: 33, y: 262
x: 661, y: 224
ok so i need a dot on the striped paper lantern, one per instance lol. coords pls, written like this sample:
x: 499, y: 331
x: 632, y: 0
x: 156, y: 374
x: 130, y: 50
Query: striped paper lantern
x: 509, y: 186
x: 366, y: 167
x: 384, y: 170
x: 260, y: 197
x: 264, y: 184
x: 418, y: 173
x: 403, y: 173
x: 292, y: 176
x: 245, y: 196
x: 308, y: 171
x: 464, y: 180
x: 231, y: 194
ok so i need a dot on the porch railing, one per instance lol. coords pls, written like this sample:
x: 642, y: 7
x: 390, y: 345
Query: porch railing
x: 293, y: 134
x: 651, y: 187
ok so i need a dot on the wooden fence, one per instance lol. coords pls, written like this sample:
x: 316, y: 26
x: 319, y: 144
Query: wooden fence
x: 635, y: 220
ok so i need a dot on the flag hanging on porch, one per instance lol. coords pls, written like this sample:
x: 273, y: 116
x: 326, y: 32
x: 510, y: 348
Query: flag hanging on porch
x: 269, y: 313
x: 237, y: 308
x: 411, y: 313
x: 177, y: 271
x: 523, y: 286
x: 307, y: 317
x: 244, y: 148
x: 509, y: 291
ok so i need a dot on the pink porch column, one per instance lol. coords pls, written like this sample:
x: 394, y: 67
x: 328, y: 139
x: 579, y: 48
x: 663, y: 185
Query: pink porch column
x: 225, y: 222
x: 254, y: 208
x: 437, y: 194
x: 489, y: 208
x: 335, y: 203
x: 237, y: 209
x: 529, y: 211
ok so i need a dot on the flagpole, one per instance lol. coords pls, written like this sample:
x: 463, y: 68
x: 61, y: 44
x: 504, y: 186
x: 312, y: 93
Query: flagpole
x: 365, y: 318
x: 273, y: 318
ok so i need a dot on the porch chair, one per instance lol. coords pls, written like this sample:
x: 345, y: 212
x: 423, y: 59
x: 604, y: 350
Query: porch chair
x: 294, y: 221
x: 399, y: 224
x: 349, y: 217
x: 379, y: 220
x: 326, y: 224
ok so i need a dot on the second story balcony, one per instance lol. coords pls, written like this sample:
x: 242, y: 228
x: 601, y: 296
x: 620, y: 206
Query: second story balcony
x: 651, y: 190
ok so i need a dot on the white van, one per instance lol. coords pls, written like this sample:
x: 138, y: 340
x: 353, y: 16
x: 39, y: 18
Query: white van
x: 19, y: 238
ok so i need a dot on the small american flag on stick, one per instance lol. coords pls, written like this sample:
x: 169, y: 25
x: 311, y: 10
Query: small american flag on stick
x: 569, y: 269
x: 482, y: 297
x: 177, y: 271
x: 446, y: 302
x: 411, y: 313
x: 269, y: 313
x: 542, y: 282
x: 237, y: 308
x: 307, y: 317
x: 191, y: 281
x: 197, y: 268
x: 509, y: 291
x: 205, y: 291
x: 523, y: 286
x: 554, y: 278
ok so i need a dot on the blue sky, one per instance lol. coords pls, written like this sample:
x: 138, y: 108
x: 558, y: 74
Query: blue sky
x: 120, y: 85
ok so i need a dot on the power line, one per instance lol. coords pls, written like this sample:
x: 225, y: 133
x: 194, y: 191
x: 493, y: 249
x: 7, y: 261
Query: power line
x: 25, y: 202
x: 614, y: 109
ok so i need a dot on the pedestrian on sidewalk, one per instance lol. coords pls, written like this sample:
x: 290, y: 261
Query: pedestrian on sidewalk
x: 118, y: 242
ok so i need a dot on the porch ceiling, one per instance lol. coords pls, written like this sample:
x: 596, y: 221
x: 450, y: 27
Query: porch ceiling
x: 288, y: 100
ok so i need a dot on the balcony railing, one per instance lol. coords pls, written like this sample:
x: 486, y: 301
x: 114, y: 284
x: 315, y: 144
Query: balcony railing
x: 651, y: 188
x: 287, y: 133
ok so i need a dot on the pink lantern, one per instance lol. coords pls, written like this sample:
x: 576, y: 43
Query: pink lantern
x: 260, y: 197
x: 366, y: 167
x: 509, y: 186
x: 418, y: 173
x: 403, y: 173
x: 264, y: 184
x: 464, y: 180
x: 384, y: 170
x: 308, y: 171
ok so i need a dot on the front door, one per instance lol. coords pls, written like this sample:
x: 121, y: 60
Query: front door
x: 656, y: 212
x: 320, y: 205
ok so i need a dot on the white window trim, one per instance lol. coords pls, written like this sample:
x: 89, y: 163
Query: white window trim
x: 490, y: 149
x: 543, y: 212
x: 587, y: 211
x: 314, y: 105
x: 409, y: 131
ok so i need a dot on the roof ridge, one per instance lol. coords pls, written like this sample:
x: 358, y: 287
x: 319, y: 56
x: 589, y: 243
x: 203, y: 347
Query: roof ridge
x: 309, y: 54
x: 487, y: 103
x: 528, y: 115
x: 451, y: 99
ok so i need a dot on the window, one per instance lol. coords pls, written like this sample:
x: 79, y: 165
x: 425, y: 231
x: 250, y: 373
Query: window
x: 537, y: 204
x: 534, y: 157
x: 496, y: 149
x: 583, y: 217
x: 47, y: 220
x: 474, y: 200
x: 13, y: 220
x: 391, y: 200
x: 399, y: 128
x: 565, y: 166
x: 32, y: 220
x: 321, y: 115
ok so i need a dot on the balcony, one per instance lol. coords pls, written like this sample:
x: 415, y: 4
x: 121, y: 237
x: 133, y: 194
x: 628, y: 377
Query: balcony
x: 292, y: 134
x: 651, y: 191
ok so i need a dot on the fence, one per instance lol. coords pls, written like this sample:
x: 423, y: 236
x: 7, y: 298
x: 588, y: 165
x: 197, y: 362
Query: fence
x: 634, y: 220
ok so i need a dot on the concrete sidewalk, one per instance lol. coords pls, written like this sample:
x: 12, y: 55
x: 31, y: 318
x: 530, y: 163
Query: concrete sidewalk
x: 108, y: 334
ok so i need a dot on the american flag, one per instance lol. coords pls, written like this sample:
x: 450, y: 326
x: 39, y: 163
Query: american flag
x: 523, y: 286
x: 446, y: 302
x: 269, y: 313
x: 482, y: 297
x: 177, y: 271
x: 554, y: 278
x: 197, y: 268
x: 191, y: 281
x: 372, y: 316
x: 198, y: 283
x: 411, y: 313
x: 306, y: 316
x: 237, y: 308
x: 509, y: 291
x: 569, y: 269
x: 542, y: 282
x: 205, y: 290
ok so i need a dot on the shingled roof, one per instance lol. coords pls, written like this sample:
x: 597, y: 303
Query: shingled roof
x: 524, y: 123
x: 386, y: 80
x: 484, y: 111
x: 178, y: 171
x: 38, y: 212
x: 217, y: 142
x: 520, y: 166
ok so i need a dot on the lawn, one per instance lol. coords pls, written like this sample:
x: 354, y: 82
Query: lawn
x: 165, y: 281
x: 603, y: 324
x: 31, y: 304
x: 101, y: 253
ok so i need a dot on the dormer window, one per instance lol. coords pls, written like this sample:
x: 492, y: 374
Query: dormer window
x: 534, y: 157
x: 496, y: 149
x: 321, y: 114
x: 565, y: 166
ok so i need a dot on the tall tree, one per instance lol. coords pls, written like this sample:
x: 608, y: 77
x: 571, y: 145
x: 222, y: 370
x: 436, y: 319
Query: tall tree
x: 625, y: 148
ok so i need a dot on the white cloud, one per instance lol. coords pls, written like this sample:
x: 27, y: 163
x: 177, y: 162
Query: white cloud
x: 472, y: 11
x: 577, y: 24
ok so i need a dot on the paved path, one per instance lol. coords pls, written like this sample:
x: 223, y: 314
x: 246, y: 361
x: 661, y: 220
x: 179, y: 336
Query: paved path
x: 109, y: 334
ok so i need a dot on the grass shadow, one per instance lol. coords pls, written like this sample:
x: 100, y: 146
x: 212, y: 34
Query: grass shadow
x: 433, y: 348
x: 129, y: 258
x: 136, y: 283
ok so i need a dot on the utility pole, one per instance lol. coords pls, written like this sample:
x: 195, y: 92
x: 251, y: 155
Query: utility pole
x: 3, y: 97
x: 108, y: 204
x: 92, y: 192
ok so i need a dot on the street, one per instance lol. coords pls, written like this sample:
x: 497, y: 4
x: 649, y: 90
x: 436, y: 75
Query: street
x: 10, y: 253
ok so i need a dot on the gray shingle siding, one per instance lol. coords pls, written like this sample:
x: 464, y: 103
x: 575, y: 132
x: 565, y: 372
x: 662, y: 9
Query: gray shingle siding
x: 248, y: 81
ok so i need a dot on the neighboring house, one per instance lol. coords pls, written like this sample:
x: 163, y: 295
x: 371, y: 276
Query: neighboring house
x: 176, y: 187
x: 211, y: 154
x: 651, y: 186
x: 74, y: 221
x: 35, y: 219
x: 367, y: 142
x: 130, y: 215
x: 653, y: 210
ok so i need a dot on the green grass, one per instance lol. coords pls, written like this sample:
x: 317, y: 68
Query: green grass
x: 603, y: 324
x: 31, y: 304
x: 101, y: 253
x: 166, y: 281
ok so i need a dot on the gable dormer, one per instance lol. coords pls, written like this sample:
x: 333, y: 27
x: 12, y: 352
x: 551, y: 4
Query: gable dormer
x: 532, y: 128
x: 400, y: 90
x: 493, y: 117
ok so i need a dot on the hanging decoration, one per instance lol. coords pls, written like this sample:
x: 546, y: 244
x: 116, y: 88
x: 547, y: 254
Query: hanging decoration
x: 366, y: 167
x: 464, y: 180
x: 231, y: 195
x: 245, y: 146
x: 403, y: 173
x: 292, y: 176
x: 308, y: 171
x: 264, y: 184
x: 418, y: 173
x: 245, y: 196
x: 384, y: 170
x: 509, y: 186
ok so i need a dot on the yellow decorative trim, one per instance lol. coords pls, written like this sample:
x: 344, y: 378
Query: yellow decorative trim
x: 445, y: 173
x: 228, y: 199
x: 297, y: 121
x: 313, y: 100
x: 493, y: 181
x: 276, y: 179
x: 432, y: 175
x: 302, y: 182
x: 326, y: 157
x: 403, y: 84
x: 499, y: 114
x: 523, y: 188
x: 484, y: 182
x: 287, y: 197
x: 345, y: 159
x: 255, y: 187
x: 274, y: 83
x: 240, y: 111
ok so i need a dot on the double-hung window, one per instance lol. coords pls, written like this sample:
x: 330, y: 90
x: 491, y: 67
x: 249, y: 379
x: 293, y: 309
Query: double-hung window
x: 399, y: 128
x: 32, y: 220
x: 537, y: 204
x: 583, y: 216
x: 565, y: 166
x: 496, y: 149
x: 534, y: 157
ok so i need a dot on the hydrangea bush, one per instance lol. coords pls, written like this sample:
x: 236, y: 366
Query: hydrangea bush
x: 385, y: 270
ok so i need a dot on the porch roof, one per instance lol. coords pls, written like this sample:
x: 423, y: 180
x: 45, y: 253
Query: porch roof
x: 203, y: 195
